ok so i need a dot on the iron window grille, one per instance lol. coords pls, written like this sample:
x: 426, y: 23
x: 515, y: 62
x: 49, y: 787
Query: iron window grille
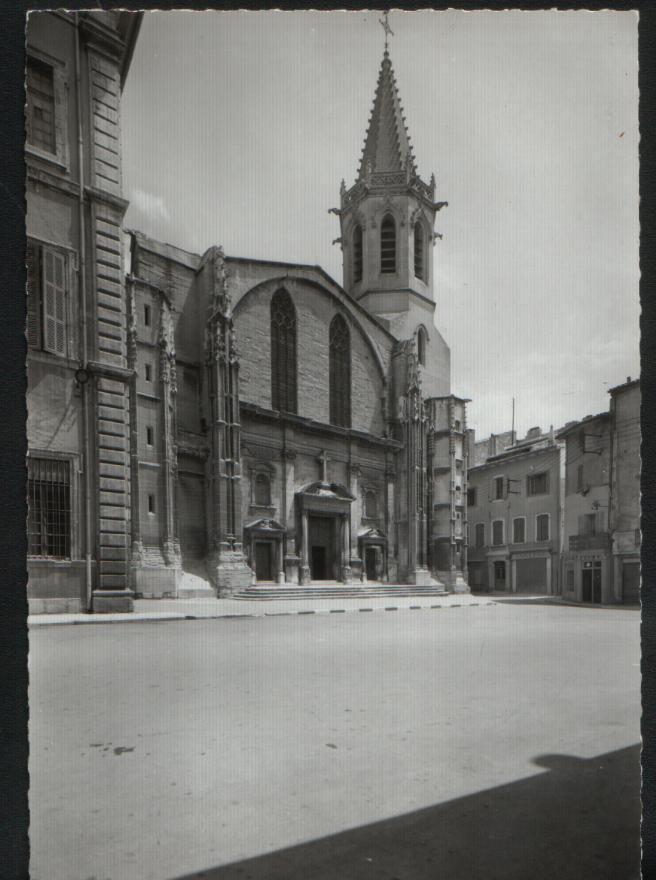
x: 49, y: 508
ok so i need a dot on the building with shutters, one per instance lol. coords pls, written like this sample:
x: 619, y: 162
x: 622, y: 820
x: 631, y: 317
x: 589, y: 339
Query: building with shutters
x: 216, y: 424
x: 515, y: 513
x: 78, y: 472
x: 601, y: 553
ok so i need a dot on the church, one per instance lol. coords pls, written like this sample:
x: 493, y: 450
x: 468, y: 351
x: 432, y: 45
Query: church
x: 214, y: 425
x: 289, y: 430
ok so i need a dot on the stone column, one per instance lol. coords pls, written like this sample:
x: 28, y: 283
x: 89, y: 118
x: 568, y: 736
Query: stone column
x: 550, y: 588
x: 305, y: 576
x: 346, y: 538
x: 281, y: 559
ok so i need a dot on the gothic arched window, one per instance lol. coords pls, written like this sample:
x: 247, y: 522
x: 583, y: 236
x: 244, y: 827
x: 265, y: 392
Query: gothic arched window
x: 283, y: 352
x: 420, y: 252
x: 262, y: 491
x: 421, y: 345
x: 339, y: 378
x: 388, y: 245
x: 357, y: 254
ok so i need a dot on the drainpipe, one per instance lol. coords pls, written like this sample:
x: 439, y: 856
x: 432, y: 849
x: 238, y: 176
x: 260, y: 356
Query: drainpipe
x: 83, y: 313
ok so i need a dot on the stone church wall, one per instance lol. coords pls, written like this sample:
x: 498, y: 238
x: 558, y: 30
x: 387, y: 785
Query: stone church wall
x: 315, y: 309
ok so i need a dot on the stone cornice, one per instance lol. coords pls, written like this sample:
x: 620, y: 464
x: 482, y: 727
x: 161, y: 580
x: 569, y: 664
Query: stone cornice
x: 311, y: 426
x: 100, y: 195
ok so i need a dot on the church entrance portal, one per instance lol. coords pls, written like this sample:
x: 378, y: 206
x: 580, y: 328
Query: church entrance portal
x: 370, y: 564
x: 322, y: 537
x: 263, y: 560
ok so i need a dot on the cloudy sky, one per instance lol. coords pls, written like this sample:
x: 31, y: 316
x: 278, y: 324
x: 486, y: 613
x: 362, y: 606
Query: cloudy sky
x: 239, y: 126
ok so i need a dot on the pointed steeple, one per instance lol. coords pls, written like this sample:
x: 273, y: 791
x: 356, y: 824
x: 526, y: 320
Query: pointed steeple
x: 387, y: 145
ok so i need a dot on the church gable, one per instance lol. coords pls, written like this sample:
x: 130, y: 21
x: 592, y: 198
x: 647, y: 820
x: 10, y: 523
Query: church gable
x: 328, y: 342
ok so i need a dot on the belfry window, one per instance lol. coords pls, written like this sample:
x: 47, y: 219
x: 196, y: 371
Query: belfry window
x: 421, y: 346
x: 420, y: 264
x: 283, y: 352
x: 388, y: 245
x: 340, y: 372
x: 357, y: 254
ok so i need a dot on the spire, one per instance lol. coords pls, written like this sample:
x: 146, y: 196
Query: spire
x: 387, y: 144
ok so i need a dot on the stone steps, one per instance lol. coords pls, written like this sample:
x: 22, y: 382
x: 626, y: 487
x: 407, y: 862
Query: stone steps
x: 336, y: 590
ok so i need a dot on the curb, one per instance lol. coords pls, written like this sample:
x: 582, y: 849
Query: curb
x: 173, y: 617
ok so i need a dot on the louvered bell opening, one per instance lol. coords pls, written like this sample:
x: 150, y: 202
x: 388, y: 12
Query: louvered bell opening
x: 388, y: 246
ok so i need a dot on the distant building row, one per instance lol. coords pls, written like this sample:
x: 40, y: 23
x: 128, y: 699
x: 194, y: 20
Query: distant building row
x: 559, y: 512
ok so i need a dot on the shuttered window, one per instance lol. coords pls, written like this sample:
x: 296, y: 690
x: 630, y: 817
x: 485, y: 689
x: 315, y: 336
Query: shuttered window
x: 46, y: 298
x: 33, y: 261
x: 40, y: 109
x: 54, y: 301
x: 480, y: 534
x: 497, y: 532
x: 49, y: 508
x: 542, y: 527
x: 388, y: 245
x: 340, y: 372
x: 519, y: 530
x: 283, y: 352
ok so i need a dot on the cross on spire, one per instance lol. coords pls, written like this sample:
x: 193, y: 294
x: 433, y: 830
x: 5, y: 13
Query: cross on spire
x: 385, y: 25
x: 323, y: 461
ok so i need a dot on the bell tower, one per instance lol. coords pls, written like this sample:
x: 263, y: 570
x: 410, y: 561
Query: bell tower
x: 387, y: 219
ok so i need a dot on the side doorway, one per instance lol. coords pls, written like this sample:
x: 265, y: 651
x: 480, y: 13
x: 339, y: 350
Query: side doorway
x: 500, y: 575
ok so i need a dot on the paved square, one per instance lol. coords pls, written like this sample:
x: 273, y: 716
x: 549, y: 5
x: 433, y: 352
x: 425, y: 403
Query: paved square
x: 497, y: 741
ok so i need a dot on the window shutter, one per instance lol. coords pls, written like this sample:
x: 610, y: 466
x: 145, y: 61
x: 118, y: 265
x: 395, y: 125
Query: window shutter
x: 33, y: 262
x: 54, y: 302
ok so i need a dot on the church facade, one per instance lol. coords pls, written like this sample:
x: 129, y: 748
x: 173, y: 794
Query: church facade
x: 289, y: 430
x: 243, y: 424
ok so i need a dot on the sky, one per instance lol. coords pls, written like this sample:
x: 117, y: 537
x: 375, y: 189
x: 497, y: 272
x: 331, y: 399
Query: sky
x: 239, y: 126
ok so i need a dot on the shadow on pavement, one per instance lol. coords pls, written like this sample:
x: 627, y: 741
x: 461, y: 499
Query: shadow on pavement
x: 578, y: 820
